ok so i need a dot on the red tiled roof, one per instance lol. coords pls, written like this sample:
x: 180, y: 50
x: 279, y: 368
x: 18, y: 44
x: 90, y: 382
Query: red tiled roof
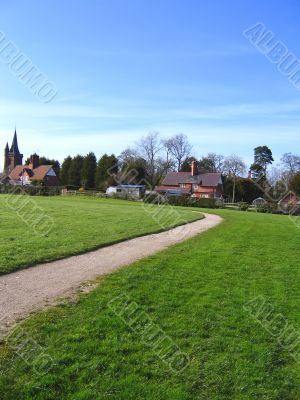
x: 38, y: 173
x: 16, y: 172
x: 208, y: 179
x: 211, y: 179
x: 173, y: 178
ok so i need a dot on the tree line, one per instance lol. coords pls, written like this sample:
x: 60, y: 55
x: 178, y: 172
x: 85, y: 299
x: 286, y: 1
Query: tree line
x: 152, y: 157
x: 87, y: 172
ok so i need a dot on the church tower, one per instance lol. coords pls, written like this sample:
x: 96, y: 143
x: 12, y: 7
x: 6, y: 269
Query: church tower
x: 12, y: 156
x: 6, y: 151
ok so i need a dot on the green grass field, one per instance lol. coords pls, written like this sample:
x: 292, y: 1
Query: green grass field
x: 195, y: 292
x: 79, y: 224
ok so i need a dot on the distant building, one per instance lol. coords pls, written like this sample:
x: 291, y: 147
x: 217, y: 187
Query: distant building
x: 259, y: 201
x: 12, y: 156
x: 289, y: 199
x: 192, y: 184
x: 16, y: 173
x: 132, y: 190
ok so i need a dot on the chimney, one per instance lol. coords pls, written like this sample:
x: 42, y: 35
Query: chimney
x: 194, y: 170
x: 34, y: 161
x: 249, y: 174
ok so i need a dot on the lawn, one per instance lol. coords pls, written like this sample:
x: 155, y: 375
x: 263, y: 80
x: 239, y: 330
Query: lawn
x: 196, y: 293
x: 75, y: 225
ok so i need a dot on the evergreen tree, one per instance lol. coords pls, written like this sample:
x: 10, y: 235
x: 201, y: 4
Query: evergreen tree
x: 107, y: 168
x: 187, y: 164
x: 262, y: 158
x: 246, y: 190
x: 64, y: 172
x: 206, y: 165
x: 133, y: 171
x: 75, y: 171
x: 89, y: 171
x: 212, y: 162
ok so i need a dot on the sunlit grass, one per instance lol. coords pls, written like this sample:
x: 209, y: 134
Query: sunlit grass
x: 79, y: 224
x: 195, y: 291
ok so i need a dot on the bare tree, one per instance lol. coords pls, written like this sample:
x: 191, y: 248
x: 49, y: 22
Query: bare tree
x: 233, y: 167
x: 128, y: 154
x: 179, y: 147
x: 212, y: 163
x: 291, y: 163
x: 278, y: 179
x: 217, y: 161
x: 149, y: 148
x: 169, y: 160
x: 276, y: 174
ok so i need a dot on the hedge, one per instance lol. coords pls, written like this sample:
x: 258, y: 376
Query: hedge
x: 182, y: 201
x: 30, y: 190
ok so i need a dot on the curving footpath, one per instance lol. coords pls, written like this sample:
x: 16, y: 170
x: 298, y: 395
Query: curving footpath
x: 32, y: 289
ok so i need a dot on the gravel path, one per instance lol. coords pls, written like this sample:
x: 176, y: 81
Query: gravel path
x: 32, y: 289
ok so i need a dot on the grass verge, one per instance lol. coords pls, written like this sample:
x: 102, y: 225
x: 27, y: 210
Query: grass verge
x: 195, y: 292
x: 79, y: 225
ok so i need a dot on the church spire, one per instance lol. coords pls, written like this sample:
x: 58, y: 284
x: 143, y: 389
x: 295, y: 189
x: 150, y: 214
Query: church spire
x: 14, y: 147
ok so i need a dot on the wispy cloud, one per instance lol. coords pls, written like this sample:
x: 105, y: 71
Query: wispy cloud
x: 109, y: 125
x: 134, y: 110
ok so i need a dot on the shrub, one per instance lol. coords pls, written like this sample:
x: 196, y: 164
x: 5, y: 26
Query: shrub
x: 270, y: 208
x: 155, y: 198
x: 289, y: 209
x: 71, y: 187
x: 243, y: 206
x: 202, y: 202
x: 122, y: 196
x: 30, y: 190
x: 183, y: 201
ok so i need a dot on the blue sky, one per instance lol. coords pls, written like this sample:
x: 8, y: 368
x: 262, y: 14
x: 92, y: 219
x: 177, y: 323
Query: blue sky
x: 125, y: 68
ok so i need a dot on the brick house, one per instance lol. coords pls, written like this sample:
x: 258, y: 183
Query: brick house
x: 16, y: 173
x: 192, y: 183
x: 289, y: 199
